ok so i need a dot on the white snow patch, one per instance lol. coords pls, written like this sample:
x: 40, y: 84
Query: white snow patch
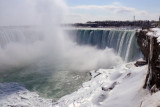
x: 152, y: 100
x: 155, y: 32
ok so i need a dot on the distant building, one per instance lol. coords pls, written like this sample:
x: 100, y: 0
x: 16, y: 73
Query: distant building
x: 134, y: 18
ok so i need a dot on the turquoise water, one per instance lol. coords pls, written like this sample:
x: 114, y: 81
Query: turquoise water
x: 47, y: 83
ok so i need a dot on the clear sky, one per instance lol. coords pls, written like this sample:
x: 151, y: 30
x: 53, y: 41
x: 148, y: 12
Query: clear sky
x: 90, y: 10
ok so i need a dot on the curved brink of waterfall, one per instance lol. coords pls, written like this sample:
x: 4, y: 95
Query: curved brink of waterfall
x: 20, y: 35
x: 123, y: 42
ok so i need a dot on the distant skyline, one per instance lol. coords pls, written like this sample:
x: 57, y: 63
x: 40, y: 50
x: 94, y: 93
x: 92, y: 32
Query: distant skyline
x: 92, y: 10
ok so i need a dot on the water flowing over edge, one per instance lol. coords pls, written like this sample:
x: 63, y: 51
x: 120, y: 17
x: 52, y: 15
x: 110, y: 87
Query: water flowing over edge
x: 123, y: 42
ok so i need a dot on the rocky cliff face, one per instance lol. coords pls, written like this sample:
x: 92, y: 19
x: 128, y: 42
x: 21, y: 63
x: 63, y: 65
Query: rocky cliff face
x: 151, y: 50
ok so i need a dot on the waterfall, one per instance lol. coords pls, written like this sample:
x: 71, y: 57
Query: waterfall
x: 124, y: 43
x: 20, y: 35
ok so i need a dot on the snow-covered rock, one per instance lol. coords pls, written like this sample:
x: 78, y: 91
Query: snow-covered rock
x: 155, y: 32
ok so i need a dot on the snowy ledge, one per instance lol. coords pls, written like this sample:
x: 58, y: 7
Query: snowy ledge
x: 118, y: 87
x: 155, y: 32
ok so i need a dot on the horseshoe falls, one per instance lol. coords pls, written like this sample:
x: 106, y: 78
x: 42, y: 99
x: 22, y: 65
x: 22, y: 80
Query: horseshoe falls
x: 123, y: 42
x: 54, y: 65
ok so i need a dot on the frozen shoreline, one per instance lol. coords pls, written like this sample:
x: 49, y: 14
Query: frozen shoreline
x: 121, y: 86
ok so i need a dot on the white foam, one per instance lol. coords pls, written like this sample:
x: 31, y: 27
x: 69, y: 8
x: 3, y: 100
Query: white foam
x: 13, y: 94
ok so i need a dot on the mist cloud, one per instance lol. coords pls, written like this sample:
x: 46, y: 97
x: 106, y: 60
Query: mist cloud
x: 55, y: 50
x: 29, y: 12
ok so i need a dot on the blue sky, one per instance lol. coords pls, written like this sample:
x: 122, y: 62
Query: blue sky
x: 139, y: 4
x: 26, y: 12
x: 90, y: 10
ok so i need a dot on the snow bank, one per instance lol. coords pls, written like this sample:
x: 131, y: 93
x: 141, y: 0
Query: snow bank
x: 155, y: 32
x: 118, y: 87
x: 151, y: 100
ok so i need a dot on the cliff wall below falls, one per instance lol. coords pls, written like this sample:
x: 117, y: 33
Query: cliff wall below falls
x: 150, y: 48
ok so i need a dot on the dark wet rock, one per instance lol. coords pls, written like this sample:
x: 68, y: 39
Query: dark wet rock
x: 140, y: 63
x: 128, y: 75
x: 97, y: 75
x: 110, y: 87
